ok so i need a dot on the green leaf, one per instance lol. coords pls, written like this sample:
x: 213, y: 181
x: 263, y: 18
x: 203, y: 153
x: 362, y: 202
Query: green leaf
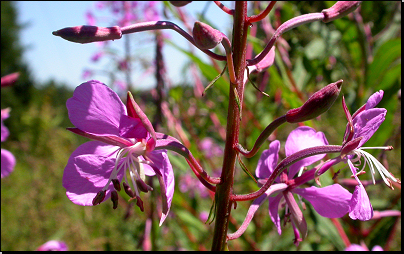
x: 385, y: 56
x: 245, y: 169
x: 207, y: 70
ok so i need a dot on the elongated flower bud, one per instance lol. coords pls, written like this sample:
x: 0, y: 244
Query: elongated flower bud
x: 339, y: 9
x: 205, y: 36
x: 87, y: 34
x: 317, y: 104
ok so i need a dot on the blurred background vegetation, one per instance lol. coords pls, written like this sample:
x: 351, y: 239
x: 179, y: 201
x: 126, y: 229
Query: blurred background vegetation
x: 363, y: 49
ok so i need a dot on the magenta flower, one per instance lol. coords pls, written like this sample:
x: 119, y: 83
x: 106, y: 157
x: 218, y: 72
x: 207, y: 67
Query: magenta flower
x: 357, y: 247
x: 125, y: 146
x: 331, y: 201
x: 7, y: 158
x: 53, y: 245
x: 361, y: 127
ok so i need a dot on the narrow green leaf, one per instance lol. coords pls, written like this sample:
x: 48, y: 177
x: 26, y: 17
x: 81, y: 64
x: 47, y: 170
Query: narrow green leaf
x: 214, y: 80
x: 245, y: 169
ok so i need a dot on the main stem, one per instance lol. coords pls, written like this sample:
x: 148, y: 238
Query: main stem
x: 225, y: 188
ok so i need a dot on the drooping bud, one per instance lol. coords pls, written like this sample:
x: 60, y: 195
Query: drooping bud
x: 339, y: 9
x: 128, y: 190
x: 9, y: 79
x: 99, y: 197
x: 116, y: 184
x: 205, y: 36
x: 179, y: 3
x: 317, y: 104
x: 87, y: 34
x: 114, y: 199
x: 143, y: 186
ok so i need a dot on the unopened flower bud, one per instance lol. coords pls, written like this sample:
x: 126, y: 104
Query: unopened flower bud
x: 317, y: 104
x: 99, y: 197
x: 179, y: 3
x: 143, y: 186
x: 87, y: 34
x: 205, y: 36
x: 116, y: 184
x: 339, y: 9
x: 128, y: 190
x: 114, y: 199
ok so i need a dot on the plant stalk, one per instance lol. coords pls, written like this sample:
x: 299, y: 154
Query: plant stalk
x: 225, y: 188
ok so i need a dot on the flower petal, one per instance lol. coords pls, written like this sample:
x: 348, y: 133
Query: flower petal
x: 130, y: 127
x: 374, y: 99
x: 268, y: 160
x: 4, y: 130
x: 161, y: 161
x: 360, y: 206
x: 367, y: 122
x: 301, y: 138
x: 88, y: 170
x: 7, y: 162
x: 273, y: 211
x: 53, y: 245
x: 330, y: 201
x: 95, y: 108
x: 355, y: 247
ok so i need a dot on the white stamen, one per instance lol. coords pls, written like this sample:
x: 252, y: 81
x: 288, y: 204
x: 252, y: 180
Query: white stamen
x: 373, y: 162
x: 128, y: 158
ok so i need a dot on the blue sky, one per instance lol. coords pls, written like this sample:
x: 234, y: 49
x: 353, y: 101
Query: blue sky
x: 50, y: 57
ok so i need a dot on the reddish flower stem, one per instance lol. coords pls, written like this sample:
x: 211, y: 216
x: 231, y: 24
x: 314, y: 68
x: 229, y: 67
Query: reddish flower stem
x: 262, y: 15
x: 224, y: 8
x: 225, y: 188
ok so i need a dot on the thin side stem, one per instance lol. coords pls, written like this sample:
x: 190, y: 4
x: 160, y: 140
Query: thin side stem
x: 262, y: 137
x: 155, y: 25
x: 224, y: 8
x: 262, y: 15
x: 288, y: 25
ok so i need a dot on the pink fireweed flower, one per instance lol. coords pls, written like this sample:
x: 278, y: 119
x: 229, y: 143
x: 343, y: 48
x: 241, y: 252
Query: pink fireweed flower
x: 361, y: 127
x: 125, y: 145
x: 53, y: 245
x: 7, y: 158
x: 331, y: 201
